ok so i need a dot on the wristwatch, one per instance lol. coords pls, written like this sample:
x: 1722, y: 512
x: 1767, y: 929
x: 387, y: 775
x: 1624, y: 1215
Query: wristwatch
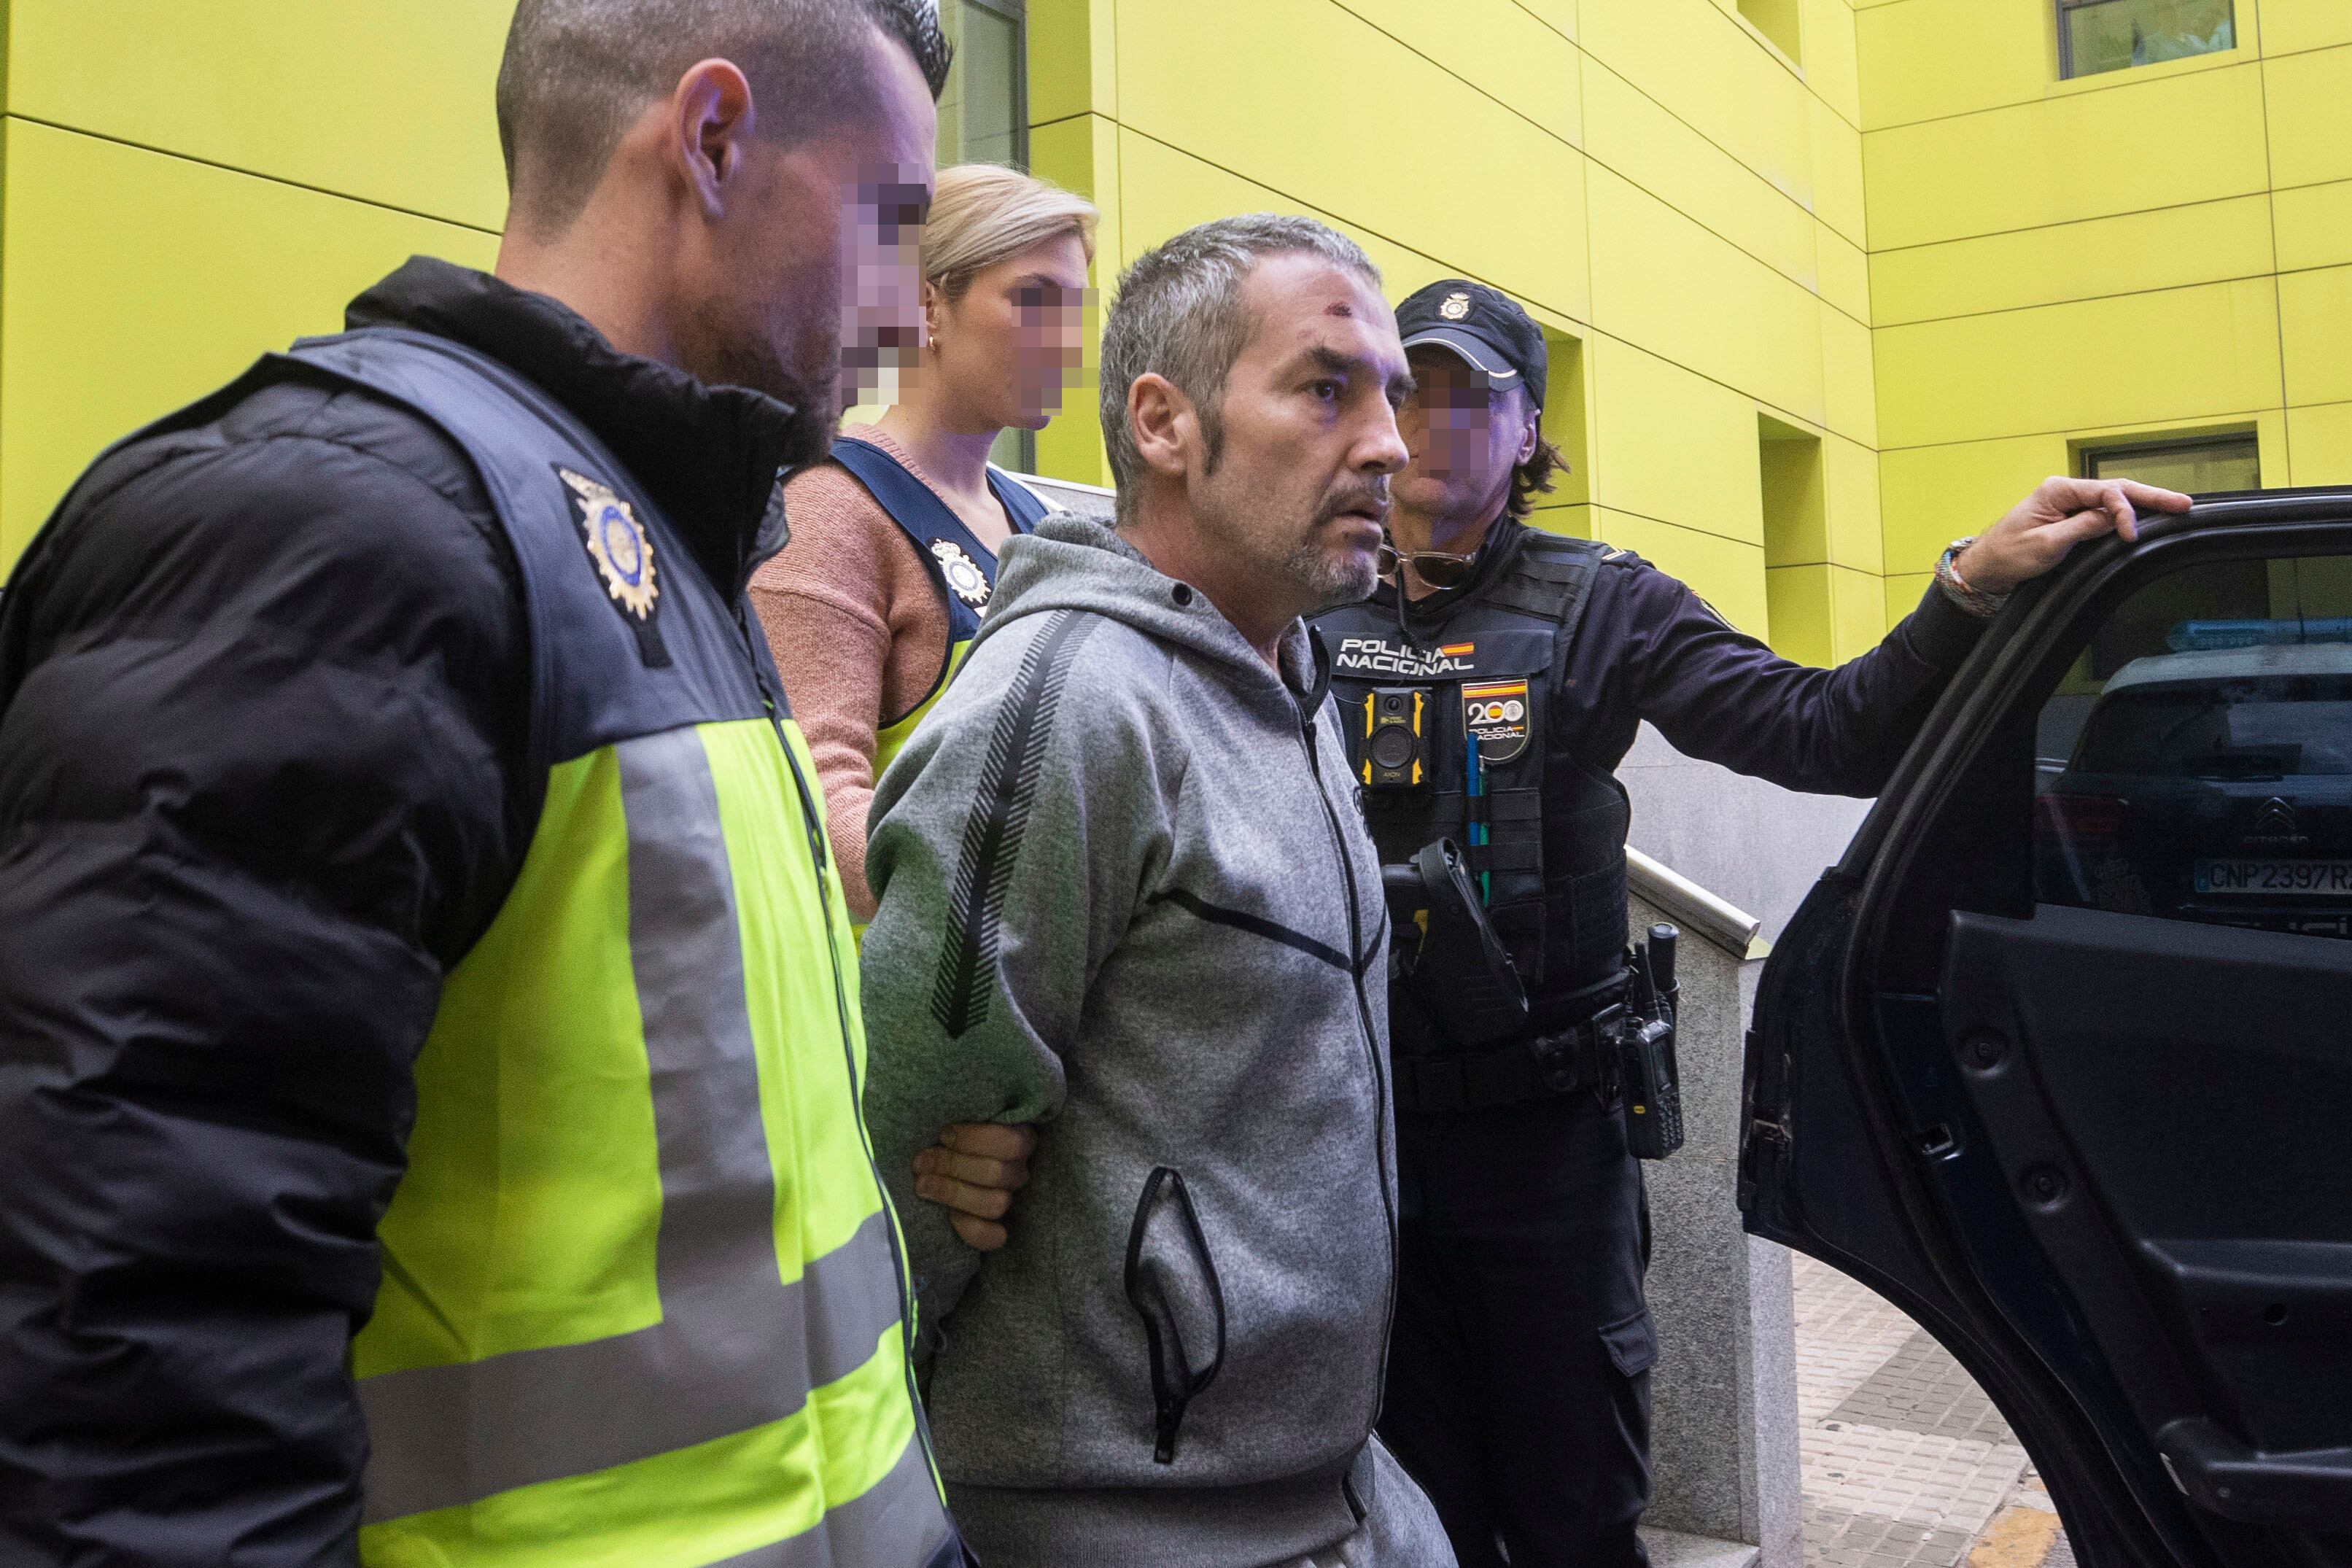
x: 1975, y: 600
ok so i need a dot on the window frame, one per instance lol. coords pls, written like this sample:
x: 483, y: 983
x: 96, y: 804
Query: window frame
x: 2087, y: 455
x: 1017, y: 13
x: 2066, y: 37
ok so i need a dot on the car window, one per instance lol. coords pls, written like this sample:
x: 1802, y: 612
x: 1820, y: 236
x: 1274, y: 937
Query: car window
x: 2196, y: 762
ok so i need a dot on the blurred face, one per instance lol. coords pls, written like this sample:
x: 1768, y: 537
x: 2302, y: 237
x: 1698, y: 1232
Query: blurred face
x: 1292, y: 478
x: 810, y: 284
x: 1007, y: 350
x: 1465, y: 439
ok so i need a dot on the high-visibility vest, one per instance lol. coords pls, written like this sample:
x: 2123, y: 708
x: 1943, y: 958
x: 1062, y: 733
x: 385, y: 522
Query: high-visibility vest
x: 642, y: 1301
x: 962, y: 569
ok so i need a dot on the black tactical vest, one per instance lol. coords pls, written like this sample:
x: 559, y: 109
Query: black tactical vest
x: 1554, y: 865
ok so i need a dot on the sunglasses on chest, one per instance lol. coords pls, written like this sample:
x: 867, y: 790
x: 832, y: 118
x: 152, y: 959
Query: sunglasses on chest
x: 1433, y: 567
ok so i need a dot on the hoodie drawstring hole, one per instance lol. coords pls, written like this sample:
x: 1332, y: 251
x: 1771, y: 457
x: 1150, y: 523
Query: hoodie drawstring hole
x: 1181, y: 593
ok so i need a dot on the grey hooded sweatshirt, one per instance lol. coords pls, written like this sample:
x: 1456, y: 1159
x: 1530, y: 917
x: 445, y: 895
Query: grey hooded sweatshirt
x: 1124, y: 893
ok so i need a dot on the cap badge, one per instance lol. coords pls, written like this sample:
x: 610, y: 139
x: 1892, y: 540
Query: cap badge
x: 615, y: 541
x: 1457, y: 305
x: 964, y: 578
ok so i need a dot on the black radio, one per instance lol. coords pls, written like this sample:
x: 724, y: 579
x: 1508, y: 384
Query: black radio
x: 1396, y: 738
x: 1645, y: 1051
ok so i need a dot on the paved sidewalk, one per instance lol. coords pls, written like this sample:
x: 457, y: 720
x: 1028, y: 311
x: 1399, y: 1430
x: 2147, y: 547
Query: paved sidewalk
x: 1905, y: 1462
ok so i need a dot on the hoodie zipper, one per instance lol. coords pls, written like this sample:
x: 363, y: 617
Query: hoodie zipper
x: 812, y: 824
x: 1372, y: 1051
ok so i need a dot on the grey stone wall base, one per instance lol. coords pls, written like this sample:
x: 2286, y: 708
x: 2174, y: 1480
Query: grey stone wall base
x: 1669, y: 1549
x: 1724, y: 1393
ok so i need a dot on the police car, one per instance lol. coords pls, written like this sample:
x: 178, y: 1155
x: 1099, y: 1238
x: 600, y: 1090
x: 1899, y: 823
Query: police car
x: 2059, y: 1057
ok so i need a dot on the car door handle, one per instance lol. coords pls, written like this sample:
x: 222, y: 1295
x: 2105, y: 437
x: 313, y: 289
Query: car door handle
x: 2308, y: 1488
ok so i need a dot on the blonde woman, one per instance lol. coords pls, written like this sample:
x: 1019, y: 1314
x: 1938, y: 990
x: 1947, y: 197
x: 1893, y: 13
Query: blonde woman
x: 894, y: 542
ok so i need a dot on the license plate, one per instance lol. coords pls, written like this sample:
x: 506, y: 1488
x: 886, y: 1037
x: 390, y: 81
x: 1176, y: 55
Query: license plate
x: 2257, y: 878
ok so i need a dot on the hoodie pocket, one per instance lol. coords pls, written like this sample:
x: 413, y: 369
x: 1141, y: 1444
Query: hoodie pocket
x: 1171, y: 1283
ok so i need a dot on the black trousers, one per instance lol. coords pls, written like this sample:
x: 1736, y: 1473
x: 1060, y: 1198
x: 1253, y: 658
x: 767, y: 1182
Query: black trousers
x: 1518, y: 1379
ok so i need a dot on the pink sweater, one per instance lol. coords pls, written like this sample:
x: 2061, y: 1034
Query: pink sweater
x: 859, y: 635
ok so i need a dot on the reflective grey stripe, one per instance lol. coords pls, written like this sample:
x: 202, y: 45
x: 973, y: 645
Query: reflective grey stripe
x: 898, y: 1521
x: 736, y: 1348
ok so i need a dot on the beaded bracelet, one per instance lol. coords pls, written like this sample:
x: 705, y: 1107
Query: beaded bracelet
x: 1975, y: 600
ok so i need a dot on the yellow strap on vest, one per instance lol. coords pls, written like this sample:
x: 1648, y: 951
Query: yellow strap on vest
x: 640, y: 1302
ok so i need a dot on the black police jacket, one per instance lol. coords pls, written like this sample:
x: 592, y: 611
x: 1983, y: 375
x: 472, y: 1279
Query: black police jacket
x: 262, y: 782
x: 1642, y: 646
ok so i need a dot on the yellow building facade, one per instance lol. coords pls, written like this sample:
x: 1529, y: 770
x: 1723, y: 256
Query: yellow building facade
x: 1827, y: 281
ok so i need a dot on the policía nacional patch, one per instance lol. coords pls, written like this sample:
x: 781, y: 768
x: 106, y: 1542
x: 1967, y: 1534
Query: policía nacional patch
x: 1498, y: 714
x: 965, y: 580
x: 622, y: 553
x: 615, y: 541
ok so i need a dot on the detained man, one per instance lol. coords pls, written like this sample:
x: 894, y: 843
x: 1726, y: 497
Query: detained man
x: 1124, y: 892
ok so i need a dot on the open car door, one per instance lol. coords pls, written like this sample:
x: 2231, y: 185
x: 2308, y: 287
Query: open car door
x: 2059, y: 1057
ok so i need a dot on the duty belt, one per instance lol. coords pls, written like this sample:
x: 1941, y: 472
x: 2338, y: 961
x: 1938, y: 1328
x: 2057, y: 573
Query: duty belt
x: 1541, y: 1066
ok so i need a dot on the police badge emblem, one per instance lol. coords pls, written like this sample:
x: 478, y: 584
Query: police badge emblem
x: 615, y: 541
x: 964, y: 578
x: 1456, y: 306
x: 1498, y: 714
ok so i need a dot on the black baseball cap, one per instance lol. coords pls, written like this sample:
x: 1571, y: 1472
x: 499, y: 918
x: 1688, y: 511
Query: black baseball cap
x: 1484, y: 327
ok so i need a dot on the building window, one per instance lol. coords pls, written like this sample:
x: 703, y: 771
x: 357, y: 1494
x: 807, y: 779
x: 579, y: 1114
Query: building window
x: 2097, y: 35
x: 1776, y: 20
x: 984, y: 112
x: 2196, y: 468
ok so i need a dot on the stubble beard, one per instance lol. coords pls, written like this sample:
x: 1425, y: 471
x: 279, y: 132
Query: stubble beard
x: 731, y: 351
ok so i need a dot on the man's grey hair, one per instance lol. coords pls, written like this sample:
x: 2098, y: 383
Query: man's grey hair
x: 1180, y: 314
x: 576, y: 74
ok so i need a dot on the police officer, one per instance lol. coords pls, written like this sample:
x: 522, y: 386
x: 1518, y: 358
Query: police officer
x: 429, y: 1054
x: 1490, y: 687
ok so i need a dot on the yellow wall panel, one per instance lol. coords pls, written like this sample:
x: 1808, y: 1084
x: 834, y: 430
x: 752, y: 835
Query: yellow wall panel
x: 1673, y: 445
x: 1694, y: 57
x: 1073, y: 58
x: 1824, y: 615
x: 1855, y: 535
x: 2087, y: 155
x: 1725, y: 573
x: 1858, y: 620
x: 2311, y: 127
x: 1844, y: 271
x: 100, y: 338
x: 2289, y: 26
x: 2322, y: 442
x: 1832, y: 68
x: 1183, y: 82
x: 1559, y: 15
x: 2140, y: 251
x: 2316, y: 325
x: 1661, y: 283
x: 2183, y: 353
x: 2314, y: 225
x: 1797, y: 611
x: 1081, y: 154
x: 1848, y: 380
x: 1839, y: 189
x: 1638, y: 139
x: 363, y: 97
x: 1929, y: 60
x: 1164, y: 192
x: 1930, y: 496
x: 1494, y: 46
